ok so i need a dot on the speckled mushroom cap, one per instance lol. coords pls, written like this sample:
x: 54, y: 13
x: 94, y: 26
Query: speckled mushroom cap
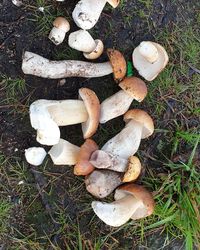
x: 139, y: 193
x: 118, y: 64
x: 92, y: 105
x: 114, y: 3
x: 133, y: 169
x: 135, y: 87
x: 142, y: 117
x: 61, y: 23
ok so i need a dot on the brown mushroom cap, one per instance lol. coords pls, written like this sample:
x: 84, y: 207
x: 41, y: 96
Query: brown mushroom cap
x: 114, y: 3
x: 61, y: 23
x: 92, y: 105
x: 133, y: 170
x: 135, y: 87
x: 97, y: 52
x: 142, y: 117
x: 139, y: 193
x: 118, y: 64
x: 83, y: 166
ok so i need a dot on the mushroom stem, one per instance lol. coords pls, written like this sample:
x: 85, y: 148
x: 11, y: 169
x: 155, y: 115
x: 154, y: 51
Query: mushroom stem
x: 149, y: 51
x: 115, y: 106
x: 34, y: 64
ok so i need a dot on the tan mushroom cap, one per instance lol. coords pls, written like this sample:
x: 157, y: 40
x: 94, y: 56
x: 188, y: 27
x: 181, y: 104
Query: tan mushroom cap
x: 133, y: 169
x: 61, y: 23
x: 114, y: 3
x: 92, y: 105
x: 83, y: 166
x: 135, y: 87
x: 142, y: 117
x: 97, y: 52
x: 139, y: 193
x: 118, y: 64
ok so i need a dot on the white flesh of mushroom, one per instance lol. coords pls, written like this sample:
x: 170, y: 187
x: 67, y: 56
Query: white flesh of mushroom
x: 34, y: 64
x: 149, y: 51
x: 35, y: 155
x: 57, y: 36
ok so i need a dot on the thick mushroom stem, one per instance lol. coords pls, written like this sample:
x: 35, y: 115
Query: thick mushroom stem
x: 118, y: 212
x: 127, y: 142
x: 36, y: 65
x: 115, y: 106
x: 149, y: 51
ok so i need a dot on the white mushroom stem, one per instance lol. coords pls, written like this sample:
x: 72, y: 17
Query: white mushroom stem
x: 64, y: 153
x: 115, y: 106
x: 57, y: 35
x: 125, y: 143
x: 149, y: 51
x: 34, y: 64
x: 35, y: 155
x: 118, y: 212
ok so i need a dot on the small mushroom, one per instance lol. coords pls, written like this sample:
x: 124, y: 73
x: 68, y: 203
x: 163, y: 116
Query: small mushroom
x: 64, y: 153
x: 119, y: 103
x: 35, y: 155
x: 61, y: 27
x: 33, y: 64
x: 150, y: 59
x: 139, y: 125
x: 82, y: 40
x: 87, y: 12
x: 131, y: 202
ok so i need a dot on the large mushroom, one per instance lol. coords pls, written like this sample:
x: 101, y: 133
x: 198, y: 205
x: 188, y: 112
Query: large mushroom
x: 149, y: 59
x: 33, y: 64
x: 119, y: 103
x: 46, y: 116
x: 131, y: 202
x: 87, y: 12
x: 82, y: 40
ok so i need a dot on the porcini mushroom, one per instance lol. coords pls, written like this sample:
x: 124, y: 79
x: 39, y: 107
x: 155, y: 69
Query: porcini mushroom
x: 64, y: 153
x: 61, y: 27
x: 119, y: 103
x: 139, y: 125
x: 87, y: 12
x: 131, y: 202
x: 35, y: 155
x: 33, y: 64
x: 82, y: 40
x: 149, y: 59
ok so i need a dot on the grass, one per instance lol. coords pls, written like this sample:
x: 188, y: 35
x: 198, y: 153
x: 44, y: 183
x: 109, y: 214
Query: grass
x: 5, y: 208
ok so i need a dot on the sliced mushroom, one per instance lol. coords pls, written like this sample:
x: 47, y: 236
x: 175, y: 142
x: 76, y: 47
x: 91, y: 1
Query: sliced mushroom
x: 119, y: 103
x: 150, y: 59
x: 33, y: 64
x: 131, y: 202
x: 35, y: 155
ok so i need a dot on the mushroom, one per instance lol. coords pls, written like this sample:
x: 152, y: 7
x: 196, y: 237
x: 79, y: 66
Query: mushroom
x: 131, y: 202
x: 33, y: 64
x: 87, y: 12
x: 119, y: 103
x: 139, y: 125
x: 82, y: 40
x: 149, y: 59
x: 46, y: 116
x: 35, y: 155
x: 61, y: 27
x: 64, y: 153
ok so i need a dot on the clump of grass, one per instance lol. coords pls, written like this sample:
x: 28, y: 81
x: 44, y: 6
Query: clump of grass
x: 5, y: 208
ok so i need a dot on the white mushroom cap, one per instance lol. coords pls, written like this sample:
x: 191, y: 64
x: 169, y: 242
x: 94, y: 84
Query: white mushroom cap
x: 35, y: 155
x: 144, y: 59
x: 97, y: 52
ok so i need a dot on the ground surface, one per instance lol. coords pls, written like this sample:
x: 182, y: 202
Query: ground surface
x: 51, y: 209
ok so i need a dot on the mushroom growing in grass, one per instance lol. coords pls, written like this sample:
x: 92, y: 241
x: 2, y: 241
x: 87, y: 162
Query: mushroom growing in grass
x: 131, y: 202
x: 119, y: 103
x: 33, y: 64
x: 35, y: 155
x: 87, y: 12
x: 82, y: 40
x: 150, y: 59
x: 61, y: 27
x: 139, y: 125
x: 46, y: 116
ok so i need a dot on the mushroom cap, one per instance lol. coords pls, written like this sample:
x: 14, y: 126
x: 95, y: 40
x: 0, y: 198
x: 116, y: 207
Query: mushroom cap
x: 147, y: 69
x: 61, y: 23
x: 92, y: 105
x: 142, y: 117
x: 135, y: 87
x: 141, y: 194
x: 114, y: 3
x: 97, y: 52
x: 83, y: 166
x: 118, y: 64
x: 133, y: 169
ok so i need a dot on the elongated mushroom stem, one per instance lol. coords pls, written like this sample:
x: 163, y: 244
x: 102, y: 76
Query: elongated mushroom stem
x: 87, y: 12
x: 33, y: 64
x: 119, y: 103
